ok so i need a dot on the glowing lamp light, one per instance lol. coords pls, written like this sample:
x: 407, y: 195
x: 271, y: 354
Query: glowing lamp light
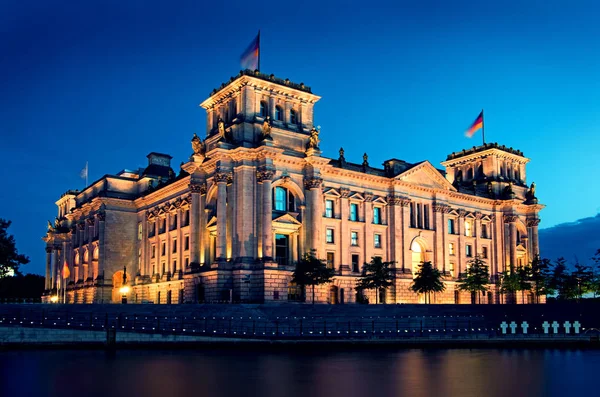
x: 124, y: 290
x: 54, y: 299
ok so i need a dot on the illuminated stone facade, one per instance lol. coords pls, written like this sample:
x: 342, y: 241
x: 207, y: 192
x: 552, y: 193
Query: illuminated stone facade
x: 257, y: 193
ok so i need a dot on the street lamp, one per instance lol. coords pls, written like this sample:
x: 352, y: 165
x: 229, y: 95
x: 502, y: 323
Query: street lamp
x: 124, y: 290
x: 54, y: 299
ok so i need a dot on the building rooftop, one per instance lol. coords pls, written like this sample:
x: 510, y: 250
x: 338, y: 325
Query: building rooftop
x: 483, y: 147
x: 266, y: 77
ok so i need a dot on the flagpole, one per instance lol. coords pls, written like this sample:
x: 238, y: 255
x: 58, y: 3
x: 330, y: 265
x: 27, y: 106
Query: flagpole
x: 259, y: 50
x: 483, y: 127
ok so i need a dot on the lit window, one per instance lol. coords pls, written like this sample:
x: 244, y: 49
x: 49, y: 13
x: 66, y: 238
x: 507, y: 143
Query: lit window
x: 283, y: 199
x: 468, y: 229
x: 329, y: 208
x: 484, y: 230
x: 378, y: 241
x: 377, y: 216
x: 451, y: 248
x: 293, y: 117
x: 329, y: 236
x: 354, y: 238
x: 450, y: 226
x: 263, y: 109
x: 451, y: 269
x: 469, y: 250
x: 330, y: 260
x: 353, y: 212
x: 278, y: 113
x: 355, y: 261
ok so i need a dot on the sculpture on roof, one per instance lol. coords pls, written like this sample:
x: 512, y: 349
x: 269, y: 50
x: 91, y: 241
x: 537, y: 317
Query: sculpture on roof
x: 365, y: 162
x: 266, y: 128
x: 197, y: 145
x: 530, y: 194
x: 313, y: 141
x: 221, y: 126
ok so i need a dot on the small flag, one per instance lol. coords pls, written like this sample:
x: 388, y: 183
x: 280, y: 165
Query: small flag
x: 250, y: 58
x: 476, y: 126
x: 65, y: 271
x: 84, y: 172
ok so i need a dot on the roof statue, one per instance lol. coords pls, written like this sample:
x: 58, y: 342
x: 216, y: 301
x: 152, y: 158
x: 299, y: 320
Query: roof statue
x: 266, y: 128
x: 197, y: 145
x: 313, y: 141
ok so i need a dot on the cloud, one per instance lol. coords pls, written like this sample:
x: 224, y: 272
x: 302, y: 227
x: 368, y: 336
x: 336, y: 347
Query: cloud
x: 573, y: 240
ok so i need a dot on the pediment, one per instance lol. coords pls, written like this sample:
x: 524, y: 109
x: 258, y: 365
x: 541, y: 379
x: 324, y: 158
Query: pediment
x: 486, y: 218
x: 425, y: 175
x: 357, y: 196
x: 212, y: 221
x: 331, y: 192
x: 287, y: 218
x: 380, y: 200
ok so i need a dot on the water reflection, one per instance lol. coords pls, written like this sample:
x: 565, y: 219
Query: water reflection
x: 220, y: 373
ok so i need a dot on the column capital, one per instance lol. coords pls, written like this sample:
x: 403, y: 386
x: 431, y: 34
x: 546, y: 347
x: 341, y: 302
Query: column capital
x: 344, y: 192
x: 221, y: 177
x: 197, y: 188
x: 368, y: 197
x: 533, y: 222
x: 101, y: 216
x: 49, y: 250
x: 462, y: 213
x: 443, y: 208
x: 264, y: 174
x: 510, y: 218
x: 478, y: 215
x: 398, y: 200
x: 89, y: 221
x: 313, y: 183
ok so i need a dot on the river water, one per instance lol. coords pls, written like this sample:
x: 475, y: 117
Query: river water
x: 304, y: 373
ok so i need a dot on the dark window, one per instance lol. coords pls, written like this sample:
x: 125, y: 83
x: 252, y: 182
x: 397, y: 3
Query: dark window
x: 278, y: 113
x: 355, y: 263
x: 163, y: 249
x: 154, y: 251
x: 412, y: 214
x: 469, y: 250
x: 377, y: 216
x: 263, y: 109
x: 426, y: 216
x: 329, y: 236
x: 293, y: 117
x: 353, y: 212
x: 186, y: 243
x: 331, y: 260
x: 450, y: 226
x: 484, y: 230
x: 276, y: 295
x: 420, y: 216
x: 484, y: 252
x: 174, y: 246
x: 329, y: 208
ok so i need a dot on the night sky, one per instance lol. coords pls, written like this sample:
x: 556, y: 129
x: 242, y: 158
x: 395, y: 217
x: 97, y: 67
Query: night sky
x: 108, y: 83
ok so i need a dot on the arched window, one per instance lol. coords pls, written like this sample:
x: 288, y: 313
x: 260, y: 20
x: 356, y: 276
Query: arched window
x: 278, y: 113
x: 77, y: 258
x: 293, y: 117
x: 470, y: 174
x: 263, y: 109
x: 95, y: 254
x: 85, y: 256
x: 517, y: 176
x: 283, y: 199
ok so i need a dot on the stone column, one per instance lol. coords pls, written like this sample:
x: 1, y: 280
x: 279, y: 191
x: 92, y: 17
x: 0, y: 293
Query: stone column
x: 460, y: 250
x: 221, y: 180
x: 55, y: 265
x: 313, y: 234
x: 101, y: 246
x: 301, y: 235
x: 265, y: 177
x: 439, y: 211
x: 395, y: 231
x: 48, y: 284
x: 511, y: 220
x: 534, y: 243
x: 369, y: 234
x: 90, y: 246
x: 477, y: 234
x: 195, y: 213
x: 406, y: 252
x: 344, y: 227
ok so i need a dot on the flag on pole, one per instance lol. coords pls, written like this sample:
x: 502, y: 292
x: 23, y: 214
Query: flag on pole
x: 84, y: 173
x: 65, y: 271
x: 476, y: 126
x: 250, y: 58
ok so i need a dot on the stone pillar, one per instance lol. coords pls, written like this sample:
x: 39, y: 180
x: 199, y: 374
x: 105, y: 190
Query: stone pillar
x: 406, y: 252
x: 101, y: 246
x: 344, y: 227
x: 48, y: 283
x: 477, y: 234
x: 221, y: 180
x: 195, y: 213
x: 439, y: 211
x: 395, y: 231
x: 460, y: 250
x: 265, y: 177
x: 534, y: 243
x: 512, y: 239
x: 55, y: 265
x: 369, y: 234
x: 301, y: 234
x: 90, y: 246
x: 313, y: 185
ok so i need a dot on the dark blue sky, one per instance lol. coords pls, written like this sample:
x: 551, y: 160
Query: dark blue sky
x: 108, y: 83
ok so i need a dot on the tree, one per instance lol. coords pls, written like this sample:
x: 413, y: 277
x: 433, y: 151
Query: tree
x: 477, y: 277
x: 523, y: 277
x: 582, y: 276
x: 377, y: 275
x: 428, y: 279
x: 595, y: 282
x: 562, y: 281
x: 540, y: 277
x: 312, y: 271
x: 509, y: 284
x: 29, y: 286
x: 10, y: 259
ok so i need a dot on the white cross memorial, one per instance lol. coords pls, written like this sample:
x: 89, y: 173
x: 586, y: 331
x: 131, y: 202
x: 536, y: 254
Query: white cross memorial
x: 567, y: 327
x: 555, y: 326
x: 576, y: 326
x: 503, y: 325
x: 524, y: 325
x: 545, y: 325
x: 513, y: 327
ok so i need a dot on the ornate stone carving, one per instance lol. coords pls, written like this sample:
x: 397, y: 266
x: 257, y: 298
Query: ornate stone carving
x: 89, y: 221
x: 365, y: 162
x: 532, y: 222
x: 313, y: 141
x: 443, y: 208
x: 221, y: 177
x: 197, y: 188
x: 101, y: 216
x: 368, y: 197
x: 266, y: 129
x: 81, y: 225
x: 478, y: 215
x: 530, y: 194
x: 221, y: 127
x: 393, y: 199
x: 510, y: 218
x: 342, y: 159
x: 344, y: 192
x: 198, y: 146
x: 263, y: 174
x: 313, y: 183
x: 462, y: 213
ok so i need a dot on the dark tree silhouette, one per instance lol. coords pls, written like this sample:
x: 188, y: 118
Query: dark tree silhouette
x: 377, y: 275
x: 312, y: 271
x: 509, y: 284
x: 540, y: 274
x: 477, y: 277
x: 428, y: 279
x: 10, y: 259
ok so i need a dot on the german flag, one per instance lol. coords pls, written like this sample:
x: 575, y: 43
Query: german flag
x: 250, y: 59
x: 476, y: 126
